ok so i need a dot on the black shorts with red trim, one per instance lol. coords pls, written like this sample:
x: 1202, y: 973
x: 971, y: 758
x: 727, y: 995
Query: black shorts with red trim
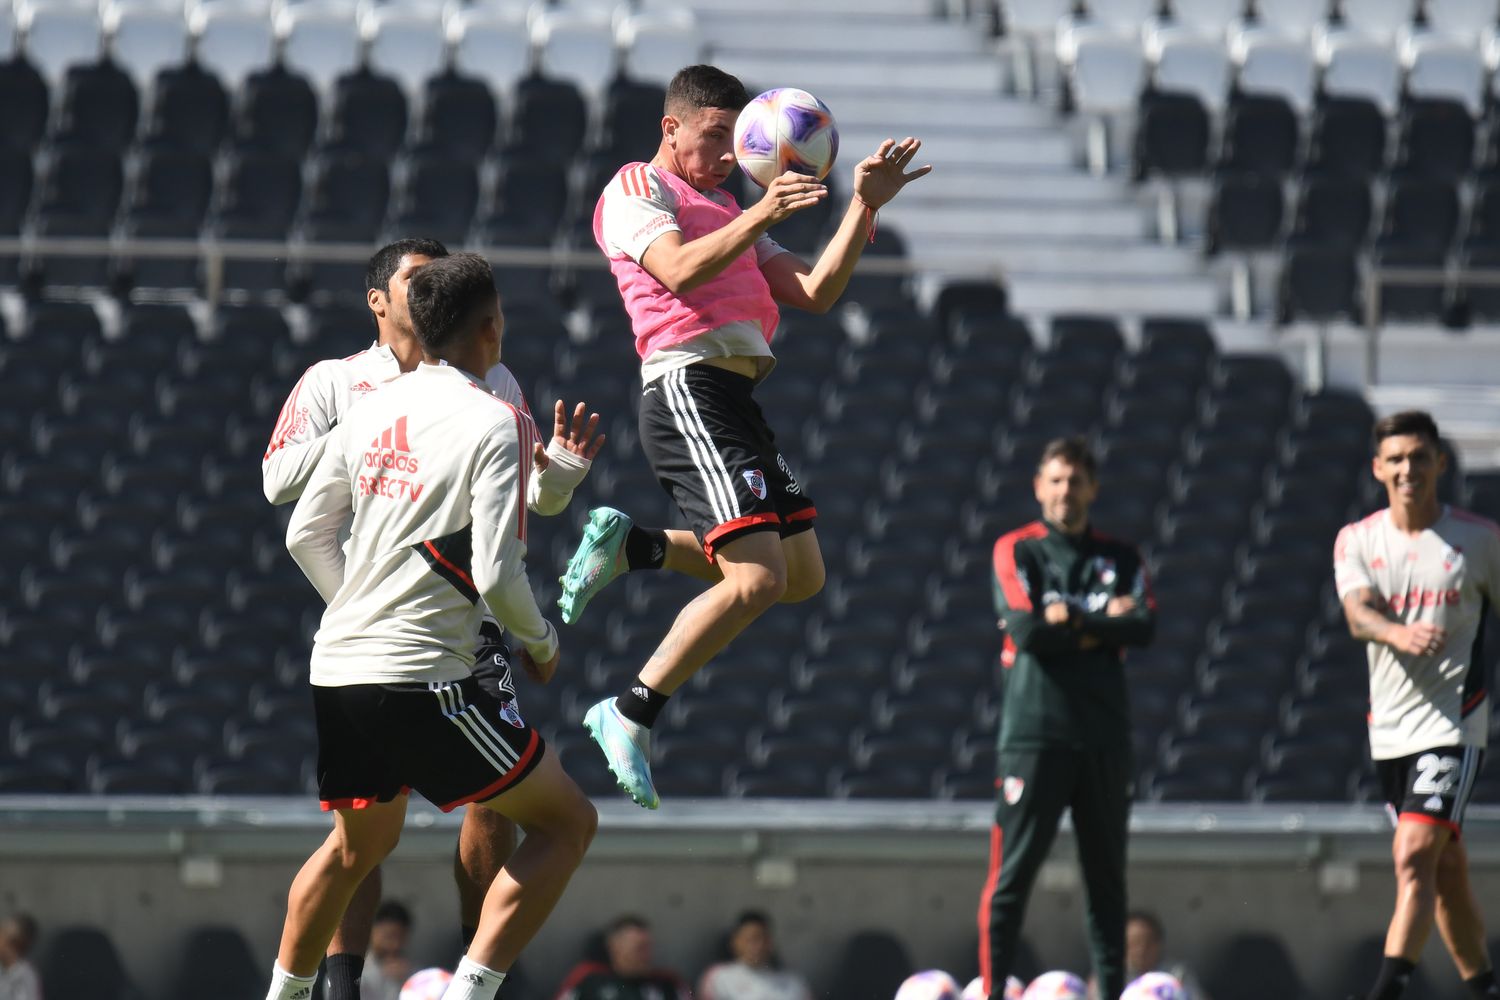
x: 1432, y: 786
x: 451, y: 741
x: 492, y: 664
x: 711, y: 449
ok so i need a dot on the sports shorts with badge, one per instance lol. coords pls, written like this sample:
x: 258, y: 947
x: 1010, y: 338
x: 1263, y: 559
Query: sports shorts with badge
x: 492, y: 666
x: 711, y: 449
x: 1431, y: 786
x: 454, y: 742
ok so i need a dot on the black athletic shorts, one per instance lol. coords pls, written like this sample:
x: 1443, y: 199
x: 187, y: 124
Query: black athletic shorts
x: 712, y: 450
x: 1432, y: 786
x: 451, y: 741
x: 492, y: 665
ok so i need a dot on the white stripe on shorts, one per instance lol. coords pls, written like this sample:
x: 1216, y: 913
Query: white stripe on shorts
x: 475, y: 727
x: 716, y: 481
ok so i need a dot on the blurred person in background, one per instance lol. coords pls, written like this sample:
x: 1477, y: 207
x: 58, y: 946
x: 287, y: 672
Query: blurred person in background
x: 629, y: 971
x: 1145, y: 943
x: 386, y: 964
x: 754, y: 972
x: 18, y: 977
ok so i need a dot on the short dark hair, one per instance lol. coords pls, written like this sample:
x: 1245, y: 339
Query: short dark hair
x: 1416, y: 422
x: 387, y: 261
x: 447, y: 297
x: 1151, y: 920
x: 391, y: 911
x: 752, y: 917
x: 1074, y: 450
x: 625, y: 920
x: 703, y: 86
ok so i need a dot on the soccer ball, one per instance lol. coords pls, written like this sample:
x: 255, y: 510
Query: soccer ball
x: 1056, y: 986
x: 1155, y: 986
x: 785, y: 129
x: 933, y: 984
x: 427, y: 984
x: 1014, y: 988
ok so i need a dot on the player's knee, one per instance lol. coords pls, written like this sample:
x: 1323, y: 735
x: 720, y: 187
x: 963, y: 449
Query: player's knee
x: 1417, y: 862
x: 806, y: 583
x: 757, y: 588
x: 357, y: 858
x: 582, y: 824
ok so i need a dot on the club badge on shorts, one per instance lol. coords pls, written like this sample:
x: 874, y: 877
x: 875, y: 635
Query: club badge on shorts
x: 757, y: 482
x: 511, y: 714
x: 1012, y: 788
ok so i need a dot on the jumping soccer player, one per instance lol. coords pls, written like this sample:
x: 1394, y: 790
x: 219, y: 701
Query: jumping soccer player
x: 431, y: 543
x: 1416, y: 581
x: 701, y: 281
x: 315, y: 406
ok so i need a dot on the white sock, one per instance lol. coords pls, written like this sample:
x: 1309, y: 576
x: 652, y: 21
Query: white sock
x: 285, y: 986
x: 472, y: 981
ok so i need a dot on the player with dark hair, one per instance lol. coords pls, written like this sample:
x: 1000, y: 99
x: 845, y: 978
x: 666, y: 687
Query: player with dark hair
x: 629, y: 970
x: 317, y: 403
x: 1416, y: 580
x: 1070, y: 601
x: 427, y: 481
x: 702, y: 281
x: 753, y: 969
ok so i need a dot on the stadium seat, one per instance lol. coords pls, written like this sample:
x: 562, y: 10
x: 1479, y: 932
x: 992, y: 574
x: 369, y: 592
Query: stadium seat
x: 346, y: 198
x: 107, y: 776
x: 24, y: 94
x: 576, y: 45
x: 1207, y: 17
x: 1356, y: 65
x: 654, y: 44
x: 1481, y: 302
x: 1380, y: 19
x: 1436, y: 139
x: 1463, y: 20
x: 436, y: 195
x: 276, y: 112
x: 79, y: 193
x: 1420, y: 213
x: 406, y: 44
x: 1260, y: 135
x: 1348, y: 136
x: 548, y: 118
x: 59, y: 36
x: 1294, y: 18
x: 1271, y: 63
x: 98, y: 108
x: 1121, y: 16
x: 144, y: 40
x: 1332, y: 212
x: 216, y: 960
x: 1421, y: 302
x: 188, y: 110
x: 1441, y: 67
x: 1186, y: 62
x: 79, y: 962
x: 318, y: 42
x: 232, y: 42
x: 458, y: 117
x: 1245, y: 212
x: 169, y: 196
x: 871, y: 963
x: 1355, y: 969
x: 491, y: 44
x: 1105, y: 70
x: 1171, y: 134
x: 368, y: 115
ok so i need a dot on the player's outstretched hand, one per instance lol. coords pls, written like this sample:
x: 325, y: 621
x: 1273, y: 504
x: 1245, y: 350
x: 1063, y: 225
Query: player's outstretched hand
x: 582, y: 437
x: 1418, y: 639
x: 880, y: 177
x: 789, y: 193
x: 539, y: 672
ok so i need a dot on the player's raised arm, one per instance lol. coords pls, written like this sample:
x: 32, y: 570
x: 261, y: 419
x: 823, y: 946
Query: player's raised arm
x: 499, y: 535
x: 877, y: 179
x: 557, y: 470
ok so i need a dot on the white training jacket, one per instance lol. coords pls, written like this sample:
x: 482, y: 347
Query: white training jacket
x: 429, y: 473
x: 327, y: 390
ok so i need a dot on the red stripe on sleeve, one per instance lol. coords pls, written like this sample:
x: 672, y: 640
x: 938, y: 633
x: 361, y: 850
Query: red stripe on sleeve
x: 1005, y: 566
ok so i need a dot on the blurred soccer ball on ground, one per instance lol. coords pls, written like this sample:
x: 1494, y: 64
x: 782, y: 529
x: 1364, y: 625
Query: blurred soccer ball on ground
x: 1014, y: 989
x: 1155, y: 986
x: 932, y: 984
x: 427, y: 984
x: 1056, y: 986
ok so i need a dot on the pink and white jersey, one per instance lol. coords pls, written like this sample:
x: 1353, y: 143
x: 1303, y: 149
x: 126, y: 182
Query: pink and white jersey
x: 731, y: 315
x: 329, y: 389
x: 1447, y: 575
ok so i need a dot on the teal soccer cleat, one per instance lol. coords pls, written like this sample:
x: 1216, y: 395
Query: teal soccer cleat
x: 627, y: 750
x: 593, y: 566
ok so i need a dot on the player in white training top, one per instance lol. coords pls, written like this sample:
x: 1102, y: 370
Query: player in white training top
x: 318, y: 403
x: 431, y: 542
x: 1417, y: 580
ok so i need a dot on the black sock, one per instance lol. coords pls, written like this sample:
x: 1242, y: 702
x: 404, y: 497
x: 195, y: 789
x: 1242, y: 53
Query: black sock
x: 645, y: 548
x: 1395, y: 973
x: 1483, y: 985
x: 641, y: 704
x: 343, y: 972
x: 468, y: 933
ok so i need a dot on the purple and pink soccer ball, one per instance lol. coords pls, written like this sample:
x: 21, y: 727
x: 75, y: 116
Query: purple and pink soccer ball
x: 1155, y: 986
x: 1056, y: 986
x: 785, y: 129
x: 932, y: 984
x: 1014, y: 989
x: 428, y: 984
